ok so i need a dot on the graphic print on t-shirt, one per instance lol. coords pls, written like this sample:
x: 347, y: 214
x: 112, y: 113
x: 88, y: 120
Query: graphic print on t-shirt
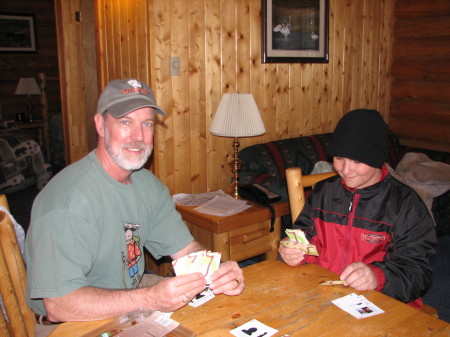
x: 134, y: 253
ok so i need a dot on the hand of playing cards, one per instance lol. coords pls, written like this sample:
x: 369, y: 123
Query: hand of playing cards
x: 204, y: 262
x: 297, y: 239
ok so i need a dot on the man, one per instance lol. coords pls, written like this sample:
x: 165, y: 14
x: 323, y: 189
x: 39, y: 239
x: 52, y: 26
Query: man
x: 368, y: 227
x: 89, y: 225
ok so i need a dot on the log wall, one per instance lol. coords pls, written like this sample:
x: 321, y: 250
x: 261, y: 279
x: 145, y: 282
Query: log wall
x: 13, y: 66
x: 219, y: 44
x: 420, y: 106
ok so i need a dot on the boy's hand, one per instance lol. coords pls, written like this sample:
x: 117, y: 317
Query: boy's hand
x: 292, y: 256
x: 359, y: 276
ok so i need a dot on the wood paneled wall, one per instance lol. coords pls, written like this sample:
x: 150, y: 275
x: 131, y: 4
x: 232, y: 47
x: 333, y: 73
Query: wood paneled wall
x: 78, y: 68
x: 219, y: 44
x: 420, y: 109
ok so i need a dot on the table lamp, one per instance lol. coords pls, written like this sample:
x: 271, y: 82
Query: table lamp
x: 237, y: 116
x: 28, y: 86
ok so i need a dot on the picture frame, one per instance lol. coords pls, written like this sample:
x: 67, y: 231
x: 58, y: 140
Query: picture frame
x: 295, y: 31
x: 17, y: 33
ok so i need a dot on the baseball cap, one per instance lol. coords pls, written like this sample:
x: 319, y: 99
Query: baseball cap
x: 120, y: 97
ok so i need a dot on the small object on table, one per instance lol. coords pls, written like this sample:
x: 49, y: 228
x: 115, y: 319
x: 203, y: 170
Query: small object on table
x: 331, y: 282
x: 139, y: 322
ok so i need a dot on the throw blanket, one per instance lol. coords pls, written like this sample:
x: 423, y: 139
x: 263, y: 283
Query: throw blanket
x: 428, y: 178
x: 22, y: 163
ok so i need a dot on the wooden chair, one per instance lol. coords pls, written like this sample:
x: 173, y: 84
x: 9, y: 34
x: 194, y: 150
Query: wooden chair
x: 296, y: 183
x: 13, y: 281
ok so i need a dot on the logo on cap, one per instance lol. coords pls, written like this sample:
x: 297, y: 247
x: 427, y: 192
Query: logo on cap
x: 137, y: 88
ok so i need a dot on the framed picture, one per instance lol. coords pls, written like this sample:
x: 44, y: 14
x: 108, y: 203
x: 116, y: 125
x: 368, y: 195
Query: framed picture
x: 17, y: 33
x: 295, y: 31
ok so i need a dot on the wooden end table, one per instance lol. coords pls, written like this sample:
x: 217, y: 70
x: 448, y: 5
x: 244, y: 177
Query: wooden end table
x: 238, y: 237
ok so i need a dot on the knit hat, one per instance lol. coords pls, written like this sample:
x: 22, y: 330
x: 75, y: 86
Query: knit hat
x: 361, y: 135
x: 120, y: 97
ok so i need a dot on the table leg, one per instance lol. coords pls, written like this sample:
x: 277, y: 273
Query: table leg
x: 274, y: 239
x: 221, y: 243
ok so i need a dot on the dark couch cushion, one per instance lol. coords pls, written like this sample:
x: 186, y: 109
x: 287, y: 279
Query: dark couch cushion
x: 271, y: 159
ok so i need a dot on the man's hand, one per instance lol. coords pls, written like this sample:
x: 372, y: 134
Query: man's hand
x: 172, y: 293
x: 292, y: 256
x: 228, y: 279
x: 359, y: 276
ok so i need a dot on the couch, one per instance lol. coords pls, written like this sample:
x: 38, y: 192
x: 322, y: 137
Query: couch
x: 266, y: 163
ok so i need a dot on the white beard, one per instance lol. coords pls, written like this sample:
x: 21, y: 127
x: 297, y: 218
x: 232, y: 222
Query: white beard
x: 122, y: 160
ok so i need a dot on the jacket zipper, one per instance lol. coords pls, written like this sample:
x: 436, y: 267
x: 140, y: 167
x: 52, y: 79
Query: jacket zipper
x: 351, y: 215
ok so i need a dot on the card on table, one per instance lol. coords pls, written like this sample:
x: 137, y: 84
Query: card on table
x: 357, y: 306
x: 253, y: 328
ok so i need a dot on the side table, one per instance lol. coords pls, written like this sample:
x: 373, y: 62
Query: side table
x: 238, y: 237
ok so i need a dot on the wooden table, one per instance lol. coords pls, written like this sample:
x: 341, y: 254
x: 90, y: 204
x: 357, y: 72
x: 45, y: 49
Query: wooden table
x: 240, y: 236
x: 291, y: 300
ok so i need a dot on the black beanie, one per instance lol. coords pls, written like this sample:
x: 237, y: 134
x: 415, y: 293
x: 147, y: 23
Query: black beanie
x: 361, y: 135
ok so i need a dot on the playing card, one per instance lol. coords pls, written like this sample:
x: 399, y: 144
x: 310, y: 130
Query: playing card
x: 297, y: 235
x: 357, y: 306
x: 308, y: 248
x: 206, y: 263
x: 297, y: 239
x: 202, y: 261
x: 202, y: 298
x: 253, y: 328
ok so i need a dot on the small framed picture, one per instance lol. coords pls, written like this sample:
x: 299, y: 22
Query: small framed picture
x: 295, y: 31
x: 17, y: 33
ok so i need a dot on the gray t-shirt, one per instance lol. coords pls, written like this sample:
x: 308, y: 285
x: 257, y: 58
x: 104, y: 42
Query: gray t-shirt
x: 87, y: 229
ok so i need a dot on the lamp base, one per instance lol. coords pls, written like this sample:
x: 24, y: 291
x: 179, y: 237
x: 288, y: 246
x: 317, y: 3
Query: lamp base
x: 235, y: 167
x: 30, y: 110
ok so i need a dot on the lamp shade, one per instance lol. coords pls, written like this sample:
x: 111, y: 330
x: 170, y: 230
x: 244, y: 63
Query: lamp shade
x: 27, y: 86
x: 237, y: 116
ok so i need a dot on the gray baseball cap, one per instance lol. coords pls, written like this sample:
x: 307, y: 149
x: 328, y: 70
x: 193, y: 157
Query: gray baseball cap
x: 120, y: 97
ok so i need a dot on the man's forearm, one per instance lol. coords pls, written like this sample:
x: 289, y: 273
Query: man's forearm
x: 89, y: 303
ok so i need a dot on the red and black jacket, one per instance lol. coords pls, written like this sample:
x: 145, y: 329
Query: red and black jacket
x: 386, y: 225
